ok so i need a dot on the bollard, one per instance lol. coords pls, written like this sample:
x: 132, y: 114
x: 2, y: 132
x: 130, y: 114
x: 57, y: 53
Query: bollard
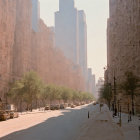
x: 120, y: 117
x: 88, y: 114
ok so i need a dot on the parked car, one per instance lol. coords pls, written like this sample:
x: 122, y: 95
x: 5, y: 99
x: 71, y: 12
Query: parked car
x: 4, y: 116
x: 77, y: 104
x: 57, y: 107
x: 66, y: 105
x: 62, y: 106
x: 94, y: 103
x: 73, y: 106
x: 47, y: 107
x: 52, y: 107
x: 14, y: 114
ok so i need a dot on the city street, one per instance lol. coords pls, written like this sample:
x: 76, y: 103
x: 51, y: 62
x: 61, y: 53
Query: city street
x: 51, y: 125
x: 69, y: 124
x: 69, y: 70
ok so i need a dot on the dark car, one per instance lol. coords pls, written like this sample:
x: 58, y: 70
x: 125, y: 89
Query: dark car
x: 94, y: 103
x: 4, y: 116
x: 62, y: 106
x: 52, y: 107
x: 47, y: 107
x: 57, y: 107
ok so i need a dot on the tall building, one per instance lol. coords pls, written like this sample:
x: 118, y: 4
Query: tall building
x: 99, y: 85
x: 66, y: 30
x: 82, y: 41
x: 71, y: 37
x: 35, y: 15
x: 123, y: 41
x: 91, y: 88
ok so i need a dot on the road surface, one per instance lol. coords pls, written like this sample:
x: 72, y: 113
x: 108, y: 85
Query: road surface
x: 58, y: 125
x: 69, y: 124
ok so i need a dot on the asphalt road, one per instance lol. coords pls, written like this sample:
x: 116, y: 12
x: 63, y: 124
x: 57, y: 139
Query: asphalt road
x: 64, y: 127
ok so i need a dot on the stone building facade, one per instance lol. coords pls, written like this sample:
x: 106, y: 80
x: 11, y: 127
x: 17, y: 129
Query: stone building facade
x: 7, y: 28
x: 25, y: 47
x: 123, y: 40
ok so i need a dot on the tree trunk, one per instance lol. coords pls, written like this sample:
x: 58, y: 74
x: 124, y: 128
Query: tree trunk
x: 20, y: 106
x: 36, y: 103
x: 31, y: 106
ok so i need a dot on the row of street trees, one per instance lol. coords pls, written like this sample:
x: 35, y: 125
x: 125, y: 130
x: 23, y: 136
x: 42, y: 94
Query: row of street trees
x: 128, y: 87
x: 31, y: 92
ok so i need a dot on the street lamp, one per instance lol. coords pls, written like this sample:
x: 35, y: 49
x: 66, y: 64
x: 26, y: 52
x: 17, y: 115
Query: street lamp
x: 118, y: 107
x: 115, y: 107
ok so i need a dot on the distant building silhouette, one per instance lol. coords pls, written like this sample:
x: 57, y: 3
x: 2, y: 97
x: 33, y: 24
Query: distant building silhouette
x: 99, y: 85
x: 71, y: 37
x: 35, y: 15
x: 91, y: 82
x: 71, y: 33
x: 66, y: 30
x: 82, y: 41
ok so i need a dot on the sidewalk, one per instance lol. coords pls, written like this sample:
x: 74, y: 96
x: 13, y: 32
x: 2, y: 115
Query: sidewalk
x: 131, y: 129
x: 101, y: 126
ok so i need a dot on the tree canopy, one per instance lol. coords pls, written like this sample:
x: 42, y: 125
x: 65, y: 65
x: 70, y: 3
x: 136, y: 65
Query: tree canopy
x: 31, y: 88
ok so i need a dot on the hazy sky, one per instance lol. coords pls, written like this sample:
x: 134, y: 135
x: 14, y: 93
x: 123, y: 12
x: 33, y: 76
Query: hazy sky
x: 96, y: 14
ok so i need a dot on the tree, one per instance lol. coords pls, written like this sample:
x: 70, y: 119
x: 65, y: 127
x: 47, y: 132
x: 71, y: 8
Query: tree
x: 66, y: 94
x: 106, y: 93
x: 130, y: 85
x: 16, y: 92
x: 53, y: 93
x: 33, y: 87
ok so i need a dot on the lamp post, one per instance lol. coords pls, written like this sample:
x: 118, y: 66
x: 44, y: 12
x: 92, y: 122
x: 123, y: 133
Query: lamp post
x: 115, y: 111
x: 128, y: 113
x: 110, y: 93
x: 118, y: 107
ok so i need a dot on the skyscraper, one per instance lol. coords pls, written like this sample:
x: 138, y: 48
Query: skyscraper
x: 35, y: 15
x: 82, y: 42
x: 66, y: 30
x: 71, y: 37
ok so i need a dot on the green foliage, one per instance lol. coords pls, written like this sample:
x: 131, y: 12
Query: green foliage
x: 32, y: 85
x: 27, y: 89
x: 16, y: 91
x: 130, y: 84
x: 30, y: 88
x: 66, y: 94
x: 106, y: 93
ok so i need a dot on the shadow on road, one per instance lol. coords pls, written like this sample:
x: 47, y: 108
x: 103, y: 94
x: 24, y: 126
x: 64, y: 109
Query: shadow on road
x: 63, y: 127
